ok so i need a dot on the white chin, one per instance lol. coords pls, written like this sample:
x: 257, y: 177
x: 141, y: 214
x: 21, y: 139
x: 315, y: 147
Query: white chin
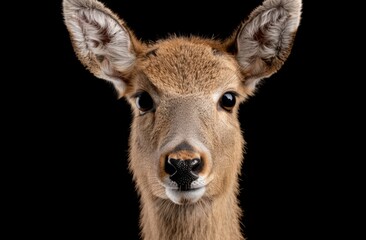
x: 184, y: 197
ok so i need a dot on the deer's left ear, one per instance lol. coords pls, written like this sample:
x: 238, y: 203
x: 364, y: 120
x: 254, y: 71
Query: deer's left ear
x: 264, y: 40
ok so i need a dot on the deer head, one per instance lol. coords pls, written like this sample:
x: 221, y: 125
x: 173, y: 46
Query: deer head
x: 186, y: 144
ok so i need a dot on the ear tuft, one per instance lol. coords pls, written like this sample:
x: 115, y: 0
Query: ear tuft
x: 265, y: 40
x: 100, y: 39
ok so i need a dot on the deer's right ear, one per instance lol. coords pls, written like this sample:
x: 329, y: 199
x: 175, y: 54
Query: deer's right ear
x: 101, y: 40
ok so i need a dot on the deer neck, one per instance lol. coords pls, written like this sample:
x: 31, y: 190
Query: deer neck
x: 213, y: 219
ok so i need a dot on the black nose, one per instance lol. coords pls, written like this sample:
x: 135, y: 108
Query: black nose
x: 183, y: 172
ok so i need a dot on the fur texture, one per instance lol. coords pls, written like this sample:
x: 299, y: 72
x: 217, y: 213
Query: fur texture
x: 191, y: 89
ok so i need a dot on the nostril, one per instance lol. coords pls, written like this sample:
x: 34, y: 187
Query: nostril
x: 173, y: 166
x: 196, y: 165
x: 170, y: 166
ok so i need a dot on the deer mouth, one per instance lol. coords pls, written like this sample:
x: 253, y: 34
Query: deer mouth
x: 185, y: 196
x: 185, y: 192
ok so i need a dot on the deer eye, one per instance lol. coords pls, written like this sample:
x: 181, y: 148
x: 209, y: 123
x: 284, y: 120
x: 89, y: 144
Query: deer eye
x: 144, y: 102
x: 228, y: 101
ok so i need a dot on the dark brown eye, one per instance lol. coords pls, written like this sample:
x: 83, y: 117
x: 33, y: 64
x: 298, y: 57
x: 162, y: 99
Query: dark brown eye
x: 228, y: 101
x: 144, y: 102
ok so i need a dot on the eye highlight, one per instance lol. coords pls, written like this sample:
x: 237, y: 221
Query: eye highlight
x: 144, y: 102
x: 228, y: 101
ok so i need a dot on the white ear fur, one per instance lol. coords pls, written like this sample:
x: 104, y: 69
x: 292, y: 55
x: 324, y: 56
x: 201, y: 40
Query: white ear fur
x: 265, y: 40
x: 100, y: 40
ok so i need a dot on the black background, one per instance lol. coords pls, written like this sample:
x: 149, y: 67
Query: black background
x: 74, y: 130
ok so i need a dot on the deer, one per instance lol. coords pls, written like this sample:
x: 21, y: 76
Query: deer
x: 186, y: 146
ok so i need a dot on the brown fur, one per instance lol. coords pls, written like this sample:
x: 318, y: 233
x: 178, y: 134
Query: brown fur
x: 186, y: 77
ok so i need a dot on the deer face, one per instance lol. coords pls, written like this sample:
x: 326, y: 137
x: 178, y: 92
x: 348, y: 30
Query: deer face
x: 186, y: 140
x: 186, y: 143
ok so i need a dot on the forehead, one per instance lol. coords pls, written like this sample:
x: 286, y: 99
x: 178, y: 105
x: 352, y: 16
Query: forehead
x: 186, y: 66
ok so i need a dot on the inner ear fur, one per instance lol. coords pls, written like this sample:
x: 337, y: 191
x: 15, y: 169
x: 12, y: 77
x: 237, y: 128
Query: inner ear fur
x: 263, y: 42
x: 101, y: 40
